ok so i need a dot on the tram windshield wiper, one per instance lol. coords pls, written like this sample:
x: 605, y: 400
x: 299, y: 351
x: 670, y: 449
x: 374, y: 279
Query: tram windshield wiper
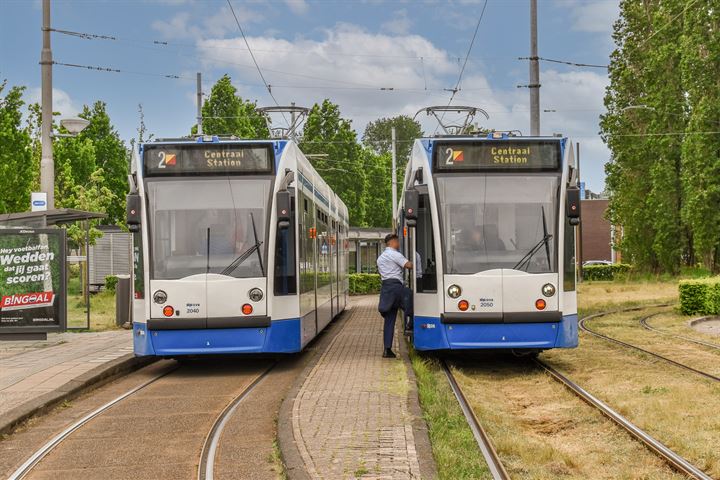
x: 524, y: 262
x: 246, y: 254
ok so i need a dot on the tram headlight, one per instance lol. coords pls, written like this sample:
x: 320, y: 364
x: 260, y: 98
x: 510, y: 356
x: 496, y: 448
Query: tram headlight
x: 548, y: 289
x: 255, y: 294
x: 454, y: 291
x: 160, y: 297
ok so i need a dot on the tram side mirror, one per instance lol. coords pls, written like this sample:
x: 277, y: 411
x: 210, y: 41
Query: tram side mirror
x: 133, y: 212
x: 412, y: 202
x: 282, y: 202
x: 573, y: 205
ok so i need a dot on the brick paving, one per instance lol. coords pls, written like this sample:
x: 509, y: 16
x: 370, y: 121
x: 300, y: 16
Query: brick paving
x: 29, y: 369
x: 350, y: 418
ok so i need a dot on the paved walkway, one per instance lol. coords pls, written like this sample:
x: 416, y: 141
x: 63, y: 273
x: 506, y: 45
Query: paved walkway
x: 30, y: 369
x: 351, y: 418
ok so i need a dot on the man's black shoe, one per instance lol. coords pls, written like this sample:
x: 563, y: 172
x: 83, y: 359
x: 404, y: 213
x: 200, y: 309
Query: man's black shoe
x: 389, y: 353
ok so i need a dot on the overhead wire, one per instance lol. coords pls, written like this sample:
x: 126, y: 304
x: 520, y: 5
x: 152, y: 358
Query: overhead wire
x: 462, y: 70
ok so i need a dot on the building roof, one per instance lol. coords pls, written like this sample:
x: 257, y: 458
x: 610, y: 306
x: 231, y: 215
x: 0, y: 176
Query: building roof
x: 364, y: 233
x: 47, y: 217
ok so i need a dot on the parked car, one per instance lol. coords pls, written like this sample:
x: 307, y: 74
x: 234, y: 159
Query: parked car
x: 596, y: 262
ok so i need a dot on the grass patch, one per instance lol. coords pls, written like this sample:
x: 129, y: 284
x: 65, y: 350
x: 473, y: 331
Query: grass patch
x: 276, y: 461
x: 595, y: 297
x: 456, y: 454
x: 676, y: 407
x: 102, y: 311
x: 542, y: 431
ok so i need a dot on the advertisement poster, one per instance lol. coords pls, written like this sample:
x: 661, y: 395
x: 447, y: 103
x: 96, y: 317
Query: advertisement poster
x: 32, y: 280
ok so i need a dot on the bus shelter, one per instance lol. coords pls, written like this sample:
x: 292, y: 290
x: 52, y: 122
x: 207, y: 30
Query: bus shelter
x: 49, y: 219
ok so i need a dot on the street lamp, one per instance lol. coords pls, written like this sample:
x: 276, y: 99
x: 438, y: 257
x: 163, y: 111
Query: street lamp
x: 74, y: 125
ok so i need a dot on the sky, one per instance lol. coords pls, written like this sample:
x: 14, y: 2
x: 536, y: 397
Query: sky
x: 350, y: 51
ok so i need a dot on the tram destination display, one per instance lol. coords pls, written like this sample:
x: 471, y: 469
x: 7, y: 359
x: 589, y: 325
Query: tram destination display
x: 204, y: 159
x: 497, y: 155
x: 32, y: 280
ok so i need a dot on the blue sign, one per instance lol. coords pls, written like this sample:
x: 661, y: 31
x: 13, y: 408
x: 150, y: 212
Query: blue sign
x: 39, y: 203
x: 582, y: 191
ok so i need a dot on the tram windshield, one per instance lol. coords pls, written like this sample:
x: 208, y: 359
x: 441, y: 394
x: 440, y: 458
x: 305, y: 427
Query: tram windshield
x: 184, y: 213
x: 491, y: 222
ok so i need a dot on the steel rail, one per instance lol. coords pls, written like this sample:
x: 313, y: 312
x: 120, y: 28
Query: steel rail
x: 595, y: 333
x: 673, y: 459
x: 43, y: 451
x: 206, y: 468
x: 497, y: 470
x: 644, y: 323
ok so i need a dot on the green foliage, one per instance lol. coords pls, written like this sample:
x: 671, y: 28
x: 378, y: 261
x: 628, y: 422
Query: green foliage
x: 605, y: 272
x: 378, y: 190
x: 665, y: 189
x: 378, y: 136
x: 226, y: 113
x: 111, y: 155
x: 700, y: 296
x: 111, y: 282
x: 341, y: 166
x: 16, y: 154
x: 364, y: 283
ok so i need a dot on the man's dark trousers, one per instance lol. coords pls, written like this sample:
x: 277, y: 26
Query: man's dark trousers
x: 393, y: 295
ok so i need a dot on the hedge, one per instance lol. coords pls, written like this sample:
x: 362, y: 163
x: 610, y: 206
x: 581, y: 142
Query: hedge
x: 700, y: 296
x: 364, y: 283
x: 111, y: 282
x: 605, y: 272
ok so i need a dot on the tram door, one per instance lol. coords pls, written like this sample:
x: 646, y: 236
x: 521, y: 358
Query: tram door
x: 308, y: 300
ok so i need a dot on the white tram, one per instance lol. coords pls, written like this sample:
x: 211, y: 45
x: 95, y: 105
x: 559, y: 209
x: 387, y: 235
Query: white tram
x: 492, y: 220
x: 240, y: 247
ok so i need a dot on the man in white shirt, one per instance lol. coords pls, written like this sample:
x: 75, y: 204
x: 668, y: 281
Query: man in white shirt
x: 393, y: 294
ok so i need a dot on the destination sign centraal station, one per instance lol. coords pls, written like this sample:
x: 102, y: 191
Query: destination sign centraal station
x: 204, y: 159
x: 498, y: 155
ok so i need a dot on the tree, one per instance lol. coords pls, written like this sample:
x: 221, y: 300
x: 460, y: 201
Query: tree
x: 700, y: 151
x: 327, y: 133
x: 226, y: 113
x: 16, y: 165
x: 378, y: 189
x: 646, y: 97
x: 378, y: 136
x: 111, y: 155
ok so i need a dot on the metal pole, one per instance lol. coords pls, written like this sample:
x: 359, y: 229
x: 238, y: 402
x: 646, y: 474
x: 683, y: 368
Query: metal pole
x: 292, y: 122
x: 47, y: 165
x: 87, y: 271
x: 534, y: 84
x: 199, y: 104
x: 579, y: 227
x: 394, y: 178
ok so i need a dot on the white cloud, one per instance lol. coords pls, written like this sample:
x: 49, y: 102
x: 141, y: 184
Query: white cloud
x: 400, y: 25
x: 593, y: 17
x: 349, y: 65
x: 185, y: 25
x: 297, y: 6
x: 61, y: 101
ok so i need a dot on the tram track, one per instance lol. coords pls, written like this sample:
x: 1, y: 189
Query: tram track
x: 644, y: 323
x: 212, y: 441
x: 583, y: 326
x: 673, y: 459
x: 43, y: 451
x: 206, y: 468
x: 495, y: 466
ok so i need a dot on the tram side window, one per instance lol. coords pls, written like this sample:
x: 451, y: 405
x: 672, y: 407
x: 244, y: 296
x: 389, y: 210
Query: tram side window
x: 425, y: 248
x: 569, y: 258
x: 307, y: 256
x: 285, y: 265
